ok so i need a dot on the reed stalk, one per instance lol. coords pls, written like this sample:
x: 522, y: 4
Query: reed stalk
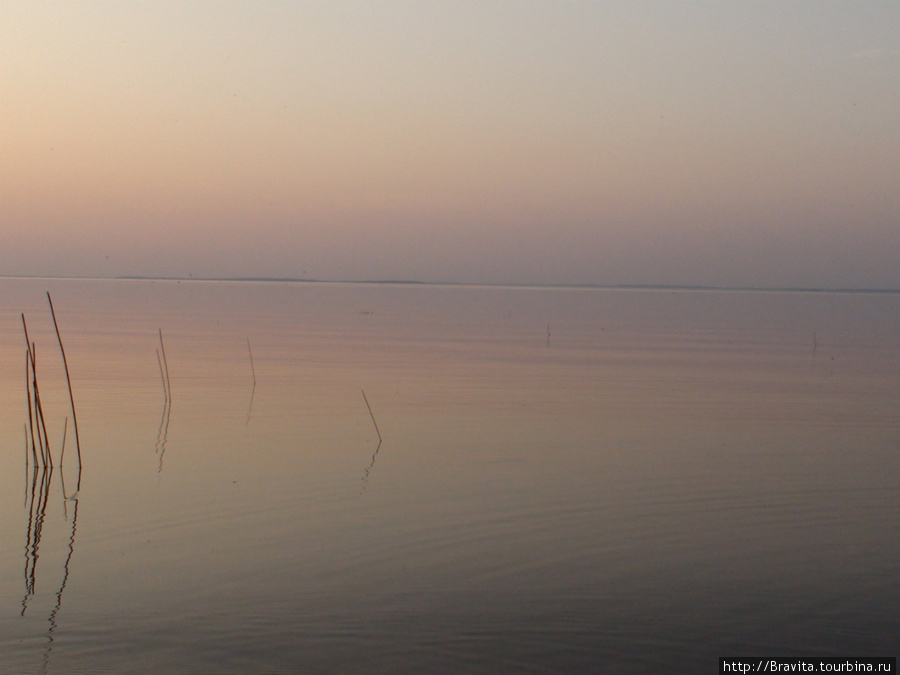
x: 167, y: 405
x: 62, y: 451
x: 166, y: 364
x: 28, y: 398
x: 68, y: 379
x: 47, y: 457
x: 162, y: 376
x: 252, y: 369
x: 38, y: 408
x: 373, y: 417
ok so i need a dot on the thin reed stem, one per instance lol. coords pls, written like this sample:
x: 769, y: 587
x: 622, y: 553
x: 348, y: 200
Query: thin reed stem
x: 372, y: 415
x: 166, y: 364
x: 68, y: 379
x: 62, y: 452
x: 28, y: 397
x: 40, y: 422
x: 252, y: 369
x: 162, y: 375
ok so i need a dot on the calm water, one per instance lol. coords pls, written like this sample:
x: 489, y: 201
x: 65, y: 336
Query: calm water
x: 567, y: 481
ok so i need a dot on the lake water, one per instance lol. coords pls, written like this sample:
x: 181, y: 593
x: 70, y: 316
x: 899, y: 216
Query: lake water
x: 568, y: 480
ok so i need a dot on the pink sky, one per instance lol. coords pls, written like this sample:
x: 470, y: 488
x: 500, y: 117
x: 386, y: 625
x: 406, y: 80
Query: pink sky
x: 498, y: 142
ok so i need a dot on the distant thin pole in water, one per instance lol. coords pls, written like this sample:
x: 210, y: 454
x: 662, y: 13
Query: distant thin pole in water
x: 166, y: 364
x: 253, y: 390
x: 373, y: 416
x: 62, y: 452
x: 252, y: 369
x: 68, y: 379
x: 162, y: 376
x: 162, y: 436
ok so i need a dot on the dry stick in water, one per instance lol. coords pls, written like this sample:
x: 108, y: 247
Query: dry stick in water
x: 38, y: 409
x: 45, y: 450
x: 32, y: 418
x: 68, y: 380
x: 62, y: 452
x: 166, y: 364
x: 252, y: 369
x: 253, y: 390
x: 373, y: 416
x: 30, y: 415
x: 167, y: 409
x: 164, y: 420
x: 162, y: 375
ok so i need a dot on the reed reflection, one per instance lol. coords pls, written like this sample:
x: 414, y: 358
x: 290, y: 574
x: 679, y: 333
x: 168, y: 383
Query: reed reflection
x: 38, y: 490
x: 38, y: 485
x: 37, y: 513
x: 365, y: 478
x: 51, y: 620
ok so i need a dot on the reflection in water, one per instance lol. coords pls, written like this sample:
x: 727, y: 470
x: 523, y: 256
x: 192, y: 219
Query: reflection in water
x: 37, y: 512
x: 640, y: 469
x: 250, y: 405
x: 365, y: 478
x: 37, y: 499
x: 62, y: 586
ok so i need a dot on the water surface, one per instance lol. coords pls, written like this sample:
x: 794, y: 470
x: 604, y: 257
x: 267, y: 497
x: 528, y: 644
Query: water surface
x: 567, y: 479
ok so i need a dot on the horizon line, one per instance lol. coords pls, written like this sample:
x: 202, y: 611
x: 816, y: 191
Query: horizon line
x: 413, y: 282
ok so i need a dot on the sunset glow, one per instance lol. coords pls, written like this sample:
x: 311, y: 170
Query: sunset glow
x: 499, y: 142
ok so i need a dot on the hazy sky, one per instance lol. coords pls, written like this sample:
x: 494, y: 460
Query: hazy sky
x: 721, y: 143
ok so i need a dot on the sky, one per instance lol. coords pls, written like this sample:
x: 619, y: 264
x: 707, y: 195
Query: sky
x: 496, y: 142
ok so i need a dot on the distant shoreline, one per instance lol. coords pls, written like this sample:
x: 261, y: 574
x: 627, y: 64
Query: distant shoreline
x: 411, y: 282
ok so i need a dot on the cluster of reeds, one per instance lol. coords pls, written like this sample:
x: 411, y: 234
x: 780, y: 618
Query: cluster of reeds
x: 36, y: 428
x: 42, y: 468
